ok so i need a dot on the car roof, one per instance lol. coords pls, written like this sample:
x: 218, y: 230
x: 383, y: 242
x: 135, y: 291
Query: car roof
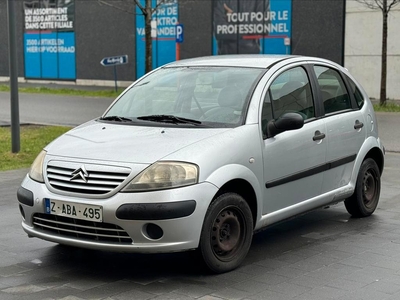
x: 236, y: 60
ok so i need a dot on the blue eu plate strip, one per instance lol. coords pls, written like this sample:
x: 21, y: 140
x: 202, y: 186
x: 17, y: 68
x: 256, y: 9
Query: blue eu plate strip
x: 47, y: 205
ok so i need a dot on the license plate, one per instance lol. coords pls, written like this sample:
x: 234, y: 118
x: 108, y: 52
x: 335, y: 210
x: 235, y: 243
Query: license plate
x: 74, y: 210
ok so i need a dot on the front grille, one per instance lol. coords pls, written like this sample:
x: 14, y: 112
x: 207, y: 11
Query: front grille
x: 85, y: 179
x: 80, y: 229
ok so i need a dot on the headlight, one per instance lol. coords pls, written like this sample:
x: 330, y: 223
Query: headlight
x: 164, y: 175
x: 36, y: 171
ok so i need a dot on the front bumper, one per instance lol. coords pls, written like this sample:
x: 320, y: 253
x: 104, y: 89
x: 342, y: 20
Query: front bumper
x: 178, y: 212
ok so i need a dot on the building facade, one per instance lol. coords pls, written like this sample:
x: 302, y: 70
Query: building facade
x: 363, y: 48
x: 65, y: 40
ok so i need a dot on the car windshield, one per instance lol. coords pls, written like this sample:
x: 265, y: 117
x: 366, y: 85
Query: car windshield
x: 187, y: 96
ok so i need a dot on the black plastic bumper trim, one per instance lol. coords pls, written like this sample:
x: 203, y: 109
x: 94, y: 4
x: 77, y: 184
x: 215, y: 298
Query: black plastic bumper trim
x: 25, y: 196
x: 156, y: 211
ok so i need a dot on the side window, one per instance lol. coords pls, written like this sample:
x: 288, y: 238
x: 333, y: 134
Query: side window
x: 333, y: 91
x: 266, y: 114
x: 289, y: 92
x: 356, y: 92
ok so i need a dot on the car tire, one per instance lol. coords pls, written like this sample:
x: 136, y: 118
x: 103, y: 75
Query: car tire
x: 366, y: 194
x: 227, y: 233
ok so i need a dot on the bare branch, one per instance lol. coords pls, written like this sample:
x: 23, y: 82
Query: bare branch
x: 378, y: 4
x: 141, y: 7
x: 160, y: 2
x: 128, y: 6
x: 103, y: 2
x: 393, y: 4
x: 371, y: 4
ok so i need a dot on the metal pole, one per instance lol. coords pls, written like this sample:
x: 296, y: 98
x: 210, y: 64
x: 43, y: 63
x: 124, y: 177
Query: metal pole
x: 178, y: 51
x: 115, y: 78
x: 12, y: 51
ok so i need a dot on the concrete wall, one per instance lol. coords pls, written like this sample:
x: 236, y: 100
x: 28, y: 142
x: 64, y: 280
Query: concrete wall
x: 363, y: 48
x: 4, y: 59
x: 101, y: 31
x: 317, y: 29
x: 197, y: 18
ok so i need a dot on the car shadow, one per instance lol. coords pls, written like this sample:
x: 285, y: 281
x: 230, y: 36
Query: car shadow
x: 300, y: 232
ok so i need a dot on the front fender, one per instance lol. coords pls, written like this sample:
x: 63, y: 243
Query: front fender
x: 230, y: 172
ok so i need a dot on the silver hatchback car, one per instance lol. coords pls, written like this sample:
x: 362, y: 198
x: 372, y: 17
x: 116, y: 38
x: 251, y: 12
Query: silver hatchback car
x: 201, y: 153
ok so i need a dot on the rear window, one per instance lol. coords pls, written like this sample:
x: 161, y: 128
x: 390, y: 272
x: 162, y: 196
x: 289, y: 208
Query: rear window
x: 334, y: 94
x: 356, y: 92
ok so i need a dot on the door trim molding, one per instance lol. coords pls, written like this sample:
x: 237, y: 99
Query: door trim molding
x: 312, y: 171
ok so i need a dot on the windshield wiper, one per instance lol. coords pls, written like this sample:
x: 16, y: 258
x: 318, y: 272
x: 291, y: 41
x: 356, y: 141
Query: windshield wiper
x: 169, y: 119
x: 116, y: 118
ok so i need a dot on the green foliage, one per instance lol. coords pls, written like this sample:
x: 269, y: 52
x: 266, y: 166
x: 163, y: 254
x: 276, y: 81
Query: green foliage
x: 33, y: 139
x: 61, y: 91
x: 389, y: 107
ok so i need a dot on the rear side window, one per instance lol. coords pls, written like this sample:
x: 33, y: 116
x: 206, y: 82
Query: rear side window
x: 333, y: 90
x: 356, y: 92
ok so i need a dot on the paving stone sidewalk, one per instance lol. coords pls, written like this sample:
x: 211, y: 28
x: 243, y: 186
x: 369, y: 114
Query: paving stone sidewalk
x: 322, y: 255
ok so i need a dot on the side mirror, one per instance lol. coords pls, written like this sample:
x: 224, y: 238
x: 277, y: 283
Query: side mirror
x: 288, y: 121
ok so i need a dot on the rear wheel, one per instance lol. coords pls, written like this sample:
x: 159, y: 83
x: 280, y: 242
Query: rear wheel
x: 227, y: 233
x: 366, y: 194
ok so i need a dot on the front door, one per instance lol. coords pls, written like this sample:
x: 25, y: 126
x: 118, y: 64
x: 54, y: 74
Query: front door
x: 293, y: 160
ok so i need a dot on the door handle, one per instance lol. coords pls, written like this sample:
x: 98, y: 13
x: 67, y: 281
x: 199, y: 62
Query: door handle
x: 358, y: 125
x: 318, y: 136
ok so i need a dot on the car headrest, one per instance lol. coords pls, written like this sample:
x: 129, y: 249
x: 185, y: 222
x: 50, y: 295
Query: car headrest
x: 230, y: 96
x: 291, y: 87
x: 326, y: 96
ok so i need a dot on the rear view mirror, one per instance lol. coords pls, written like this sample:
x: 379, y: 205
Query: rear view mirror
x: 288, y: 121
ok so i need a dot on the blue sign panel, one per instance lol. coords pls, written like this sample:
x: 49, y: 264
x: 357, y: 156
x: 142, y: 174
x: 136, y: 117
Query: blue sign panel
x: 50, y: 55
x: 49, y: 39
x: 252, y: 26
x: 179, y: 33
x: 66, y: 54
x: 165, y: 19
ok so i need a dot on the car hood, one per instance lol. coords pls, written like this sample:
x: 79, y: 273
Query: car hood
x: 126, y: 143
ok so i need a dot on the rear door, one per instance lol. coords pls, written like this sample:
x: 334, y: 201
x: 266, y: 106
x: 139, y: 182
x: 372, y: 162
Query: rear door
x: 345, y: 130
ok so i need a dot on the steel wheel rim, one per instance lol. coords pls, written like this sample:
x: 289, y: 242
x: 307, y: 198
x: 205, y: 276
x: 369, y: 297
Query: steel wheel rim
x: 228, y: 233
x: 369, y: 188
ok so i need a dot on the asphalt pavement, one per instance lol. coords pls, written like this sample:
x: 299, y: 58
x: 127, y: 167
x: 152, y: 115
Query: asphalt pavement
x: 389, y: 130
x: 73, y: 111
x: 53, y: 109
x: 321, y: 255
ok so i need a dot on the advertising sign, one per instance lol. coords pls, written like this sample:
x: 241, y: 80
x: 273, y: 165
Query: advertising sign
x: 164, y: 23
x: 251, y: 26
x: 49, y: 39
x: 114, y: 60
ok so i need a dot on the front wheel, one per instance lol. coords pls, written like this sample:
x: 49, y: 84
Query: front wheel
x: 227, y: 233
x: 366, y: 194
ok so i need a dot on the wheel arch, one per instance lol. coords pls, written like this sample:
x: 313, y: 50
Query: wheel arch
x: 245, y: 190
x: 377, y: 155
x: 371, y: 148
x: 242, y: 180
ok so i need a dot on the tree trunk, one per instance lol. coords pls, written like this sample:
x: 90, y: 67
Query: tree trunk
x: 382, y: 100
x: 148, y: 38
